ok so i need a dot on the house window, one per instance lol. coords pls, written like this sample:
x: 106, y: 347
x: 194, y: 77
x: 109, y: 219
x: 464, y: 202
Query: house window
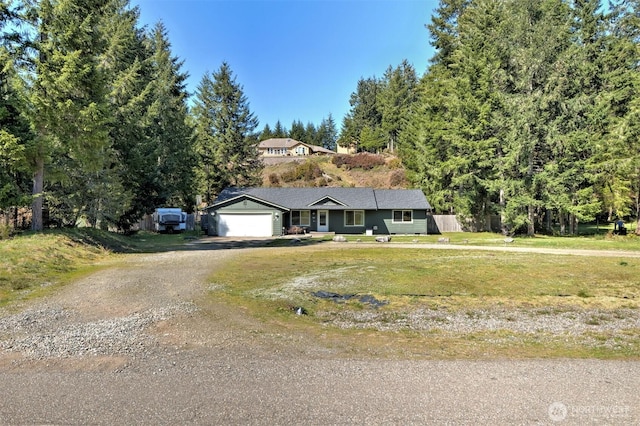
x: 402, y: 216
x: 354, y: 218
x: 300, y: 218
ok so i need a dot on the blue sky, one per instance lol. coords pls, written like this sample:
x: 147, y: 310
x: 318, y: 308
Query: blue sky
x: 296, y: 60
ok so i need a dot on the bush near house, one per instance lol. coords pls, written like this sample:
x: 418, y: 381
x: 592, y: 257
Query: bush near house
x: 363, y: 161
x: 306, y: 171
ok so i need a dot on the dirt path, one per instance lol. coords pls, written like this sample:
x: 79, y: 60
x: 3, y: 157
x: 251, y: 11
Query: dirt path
x: 138, y: 344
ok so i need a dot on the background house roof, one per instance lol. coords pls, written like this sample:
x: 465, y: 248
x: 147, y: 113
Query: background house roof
x: 290, y: 143
x: 279, y: 143
x: 331, y: 198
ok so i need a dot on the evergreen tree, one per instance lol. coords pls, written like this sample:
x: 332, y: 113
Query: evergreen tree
x: 14, y: 129
x: 574, y: 127
x: 266, y: 133
x: 127, y: 60
x: 364, y: 114
x: 506, y: 117
x: 297, y: 131
x: 617, y: 166
x: 70, y: 112
x: 168, y: 128
x: 535, y: 37
x: 395, y: 99
x: 453, y: 142
x: 208, y: 170
x: 327, y: 133
x: 311, y: 134
x: 279, y: 131
x: 225, y: 125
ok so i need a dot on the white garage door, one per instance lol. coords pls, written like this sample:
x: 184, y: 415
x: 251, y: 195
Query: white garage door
x: 245, y: 225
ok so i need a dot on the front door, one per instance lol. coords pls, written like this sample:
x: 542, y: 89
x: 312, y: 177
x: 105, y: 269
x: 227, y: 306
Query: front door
x: 323, y: 221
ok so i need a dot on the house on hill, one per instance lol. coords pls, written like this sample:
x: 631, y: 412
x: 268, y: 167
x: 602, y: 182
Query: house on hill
x: 346, y: 148
x: 287, y: 147
x: 266, y: 212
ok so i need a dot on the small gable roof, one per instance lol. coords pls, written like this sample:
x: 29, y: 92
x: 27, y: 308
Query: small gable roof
x: 332, y: 198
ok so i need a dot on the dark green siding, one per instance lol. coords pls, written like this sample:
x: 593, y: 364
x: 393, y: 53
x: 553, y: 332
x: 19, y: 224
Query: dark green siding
x: 417, y: 226
x: 246, y: 206
x: 380, y: 223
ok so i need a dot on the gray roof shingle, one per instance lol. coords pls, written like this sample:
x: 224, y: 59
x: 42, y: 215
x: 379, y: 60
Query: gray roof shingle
x: 333, y: 198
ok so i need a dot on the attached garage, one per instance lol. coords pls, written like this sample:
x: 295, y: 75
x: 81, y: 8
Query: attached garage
x: 240, y: 215
x: 245, y: 224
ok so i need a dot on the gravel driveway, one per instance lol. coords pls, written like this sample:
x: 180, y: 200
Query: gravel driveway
x: 138, y: 344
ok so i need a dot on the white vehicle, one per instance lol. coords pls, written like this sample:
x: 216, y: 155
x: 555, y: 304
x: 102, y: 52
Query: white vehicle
x: 169, y: 220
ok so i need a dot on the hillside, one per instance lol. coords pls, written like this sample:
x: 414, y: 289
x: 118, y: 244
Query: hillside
x: 360, y: 170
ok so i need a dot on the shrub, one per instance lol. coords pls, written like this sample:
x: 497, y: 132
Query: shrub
x: 273, y: 179
x: 339, y: 160
x: 397, y: 178
x: 5, y: 231
x: 307, y: 171
x: 363, y: 161
x: 394, y: 163
x: 288, y: 176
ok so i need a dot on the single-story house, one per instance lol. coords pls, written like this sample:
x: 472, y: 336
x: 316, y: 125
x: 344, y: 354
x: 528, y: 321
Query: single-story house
x: 283, y: 147
x: 265, y: 212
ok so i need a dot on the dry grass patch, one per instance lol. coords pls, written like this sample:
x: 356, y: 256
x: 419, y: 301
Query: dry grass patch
x: 439, y: 303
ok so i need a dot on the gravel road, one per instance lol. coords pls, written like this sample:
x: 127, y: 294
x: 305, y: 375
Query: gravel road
x: 138, y: 344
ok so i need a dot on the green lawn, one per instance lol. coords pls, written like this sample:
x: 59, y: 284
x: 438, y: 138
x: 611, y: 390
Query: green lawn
x: 270, y: 283
x: 465, y: 284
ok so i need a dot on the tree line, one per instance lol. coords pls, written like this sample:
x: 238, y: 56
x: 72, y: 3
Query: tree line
x: 324, y: 135
x: 528, y: 111
x: 95, y: 124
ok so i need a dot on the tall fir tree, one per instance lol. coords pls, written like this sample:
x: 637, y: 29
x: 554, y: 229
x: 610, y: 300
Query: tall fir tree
x: 328, y: 133
x: 364, y: 115
x: 311, y: 134
x: 266, y: 133
x: 15, y: 134
x: 297, y: 131
x: 618, y: 164
x: 279, y: 131
x: 227, y: 144
x: 127, y: 61
x: 396, y: 98
x: 208, y: 172
x: 168, y: 126
x: 70, y: 112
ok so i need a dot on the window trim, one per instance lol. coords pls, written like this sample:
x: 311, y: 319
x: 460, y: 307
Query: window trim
x: 402, y: 212
x: 300, y: 216
x: 354, y: 218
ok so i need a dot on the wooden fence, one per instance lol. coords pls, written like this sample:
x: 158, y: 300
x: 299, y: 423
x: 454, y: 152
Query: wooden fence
x: 439, y: 223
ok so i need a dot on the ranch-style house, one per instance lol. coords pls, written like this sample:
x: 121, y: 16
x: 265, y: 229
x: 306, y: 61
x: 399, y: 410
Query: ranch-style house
x: 287, y: 147
x: 266, y: 212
